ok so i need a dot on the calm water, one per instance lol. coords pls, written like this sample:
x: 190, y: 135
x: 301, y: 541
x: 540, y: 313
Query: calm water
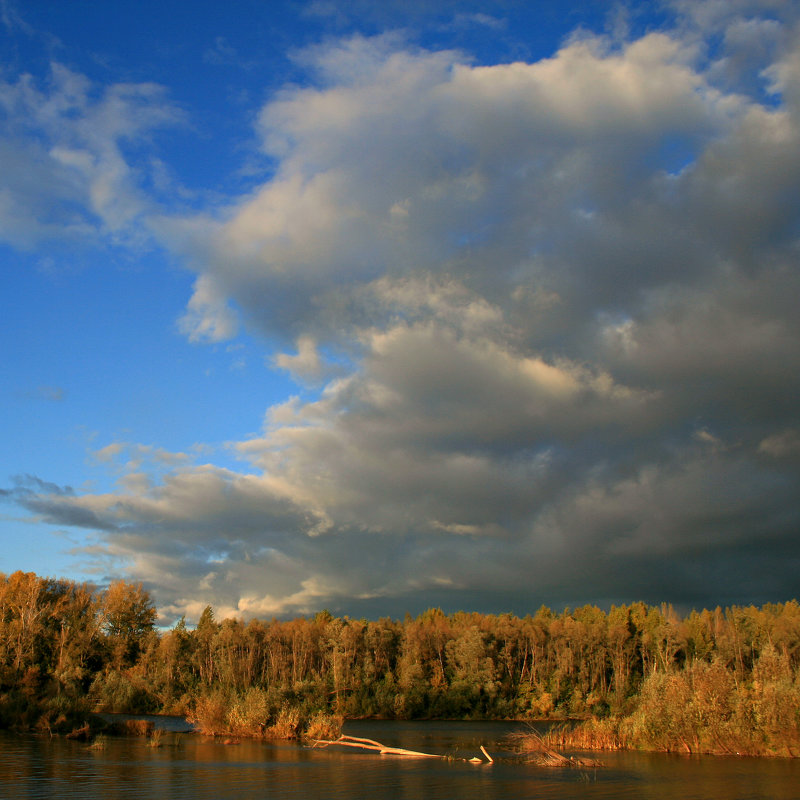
x: 192, y: 767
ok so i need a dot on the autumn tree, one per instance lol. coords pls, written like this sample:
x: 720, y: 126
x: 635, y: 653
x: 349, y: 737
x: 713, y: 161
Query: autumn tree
x: 127, y: 616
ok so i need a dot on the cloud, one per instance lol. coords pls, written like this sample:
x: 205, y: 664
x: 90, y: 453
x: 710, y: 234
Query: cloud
x: 222, y: 53
x: 12, y: 19
x: 52, y: 394
x: 781, y: 445
x: 407, y: 162
x: 208, y: 317
x: 68, y: 150
x: 547, y: 316
x: 479, y: 20
x: 307, y: 365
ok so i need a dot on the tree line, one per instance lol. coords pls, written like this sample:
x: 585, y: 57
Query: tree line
x: 69, y: 648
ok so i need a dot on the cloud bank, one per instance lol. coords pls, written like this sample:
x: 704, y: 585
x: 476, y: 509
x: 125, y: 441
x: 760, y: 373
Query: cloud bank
x: 546, y: 315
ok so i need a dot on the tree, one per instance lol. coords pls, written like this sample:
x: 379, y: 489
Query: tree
x: 128, y: 616
x: 204, y: 635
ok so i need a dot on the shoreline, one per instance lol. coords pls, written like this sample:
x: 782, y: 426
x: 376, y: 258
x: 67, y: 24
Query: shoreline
x: 586, y: 735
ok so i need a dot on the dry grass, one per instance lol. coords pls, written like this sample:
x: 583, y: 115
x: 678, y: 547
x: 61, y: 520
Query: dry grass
x: 155, y: 738
x: 593, y: 734
x: 539, y: 750
x: 99, y: 742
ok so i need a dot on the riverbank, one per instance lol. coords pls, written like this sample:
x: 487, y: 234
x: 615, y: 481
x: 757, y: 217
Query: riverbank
x: 714, y: 681
x: 541, y: 741
x: 628, y: 734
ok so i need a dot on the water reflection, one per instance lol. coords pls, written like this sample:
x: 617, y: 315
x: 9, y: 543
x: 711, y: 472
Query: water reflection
x: 191, y: 766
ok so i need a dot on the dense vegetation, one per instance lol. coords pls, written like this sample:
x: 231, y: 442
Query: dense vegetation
x: 713, y: 681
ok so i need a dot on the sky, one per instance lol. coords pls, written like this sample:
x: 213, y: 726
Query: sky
x: 376, y: 307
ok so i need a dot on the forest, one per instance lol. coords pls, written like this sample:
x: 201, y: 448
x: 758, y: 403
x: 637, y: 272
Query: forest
x: 720, y: 681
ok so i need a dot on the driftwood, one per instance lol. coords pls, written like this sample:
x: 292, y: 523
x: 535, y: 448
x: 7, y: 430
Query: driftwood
x: 371, y: 744
x: 385, y: 750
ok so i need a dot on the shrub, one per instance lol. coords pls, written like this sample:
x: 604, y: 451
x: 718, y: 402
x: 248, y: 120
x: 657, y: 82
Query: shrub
x: 250, y: 714
x: 210, y: 714
x: 287, y: 724
x: 122, y: 693
x: 324, y: 726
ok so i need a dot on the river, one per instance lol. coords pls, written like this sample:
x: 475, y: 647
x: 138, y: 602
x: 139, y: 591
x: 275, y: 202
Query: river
x: 193, y: 767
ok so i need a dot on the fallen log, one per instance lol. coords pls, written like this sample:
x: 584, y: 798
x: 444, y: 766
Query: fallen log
x: 371, y: 744
x: 385, y: 750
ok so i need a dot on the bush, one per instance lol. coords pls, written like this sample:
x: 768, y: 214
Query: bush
x: 250, y: 714
x: 324, y: 726
x: 210, y: 714
x: 121, y: 693
x: 287, y: 725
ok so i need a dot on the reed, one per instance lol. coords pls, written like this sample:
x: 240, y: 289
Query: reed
x: 99, y: 743
x: 592, y: 734
x: 541, y: 751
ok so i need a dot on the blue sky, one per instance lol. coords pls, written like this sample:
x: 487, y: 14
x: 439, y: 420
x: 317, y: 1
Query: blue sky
x: 376, y: 307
